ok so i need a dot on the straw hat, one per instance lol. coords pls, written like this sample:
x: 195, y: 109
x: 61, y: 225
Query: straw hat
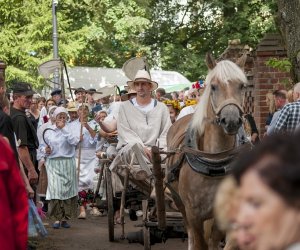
x: 71, y: 107
x: 142, y: 76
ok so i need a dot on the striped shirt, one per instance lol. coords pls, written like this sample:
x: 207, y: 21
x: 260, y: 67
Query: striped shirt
x: 289, y: 118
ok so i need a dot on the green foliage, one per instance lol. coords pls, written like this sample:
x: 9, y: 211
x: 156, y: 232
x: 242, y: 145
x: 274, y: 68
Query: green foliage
x: 174, y: 35
x: 283, y: 65
x: 196, y: 27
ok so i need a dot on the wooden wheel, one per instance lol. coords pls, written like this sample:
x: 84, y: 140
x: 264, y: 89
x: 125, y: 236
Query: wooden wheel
x: 110, y: 205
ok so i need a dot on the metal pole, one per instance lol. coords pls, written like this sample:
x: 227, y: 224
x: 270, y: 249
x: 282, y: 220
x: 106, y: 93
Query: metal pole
x: 55, y: 40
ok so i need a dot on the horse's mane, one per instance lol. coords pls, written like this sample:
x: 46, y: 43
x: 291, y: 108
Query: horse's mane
x: 225, y: 72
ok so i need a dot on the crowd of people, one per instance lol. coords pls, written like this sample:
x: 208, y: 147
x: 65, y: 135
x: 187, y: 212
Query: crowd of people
x: 56, y: 143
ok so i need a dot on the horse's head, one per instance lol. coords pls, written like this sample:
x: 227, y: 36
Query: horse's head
x: 224, y: 94
x: 227, y: 83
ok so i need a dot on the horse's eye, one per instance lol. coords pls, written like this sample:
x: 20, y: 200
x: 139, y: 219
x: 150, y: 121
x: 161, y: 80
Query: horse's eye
x: 213, y: 87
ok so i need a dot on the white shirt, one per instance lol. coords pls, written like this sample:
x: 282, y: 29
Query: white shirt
x: 145, y: 109
x: 61, y: 141
x: 88, y: 141
x: 186, y: 111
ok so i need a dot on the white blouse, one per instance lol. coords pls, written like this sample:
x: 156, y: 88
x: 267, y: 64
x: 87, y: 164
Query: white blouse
x: 61, y: 141
x: 88, y: 141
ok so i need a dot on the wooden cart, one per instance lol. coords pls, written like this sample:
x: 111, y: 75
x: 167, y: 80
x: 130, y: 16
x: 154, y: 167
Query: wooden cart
x: 158, y: 225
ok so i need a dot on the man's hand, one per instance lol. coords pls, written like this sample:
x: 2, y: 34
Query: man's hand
x: 148, y: 153
x: 30, y: 191
x: 32, y: 176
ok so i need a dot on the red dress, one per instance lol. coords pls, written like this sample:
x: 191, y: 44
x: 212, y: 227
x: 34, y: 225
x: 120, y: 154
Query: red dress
x: 13, y: 202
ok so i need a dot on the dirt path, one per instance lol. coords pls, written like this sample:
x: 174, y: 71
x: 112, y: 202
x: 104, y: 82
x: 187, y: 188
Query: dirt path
x: 92, y: 234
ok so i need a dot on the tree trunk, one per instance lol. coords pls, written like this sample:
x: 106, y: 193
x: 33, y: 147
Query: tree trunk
x: 289, y: 22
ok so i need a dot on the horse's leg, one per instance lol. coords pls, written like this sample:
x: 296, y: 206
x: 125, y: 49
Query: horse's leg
x: 216, y: 237
x: 207, y: 227
x: 195, y: 231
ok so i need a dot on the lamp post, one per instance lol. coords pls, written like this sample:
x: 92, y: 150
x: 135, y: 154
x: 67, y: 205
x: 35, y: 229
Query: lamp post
x: 55, y: 41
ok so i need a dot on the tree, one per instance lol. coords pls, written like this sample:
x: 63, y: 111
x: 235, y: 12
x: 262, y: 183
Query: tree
x: 183, y: 31
x: 91, y: 33
x: 288, y: 20
x: 172, y: 34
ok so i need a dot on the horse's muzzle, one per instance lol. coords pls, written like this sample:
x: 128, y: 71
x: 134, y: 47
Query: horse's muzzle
x: 230, y: 119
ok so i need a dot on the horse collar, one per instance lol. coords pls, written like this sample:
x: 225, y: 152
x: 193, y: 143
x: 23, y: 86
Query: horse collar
x: 208, y: 164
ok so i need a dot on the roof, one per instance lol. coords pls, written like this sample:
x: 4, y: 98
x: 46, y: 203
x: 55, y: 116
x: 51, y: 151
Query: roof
x: 92, y: 77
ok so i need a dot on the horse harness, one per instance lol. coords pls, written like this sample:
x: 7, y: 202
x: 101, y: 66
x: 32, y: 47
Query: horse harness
x: 208, y: 164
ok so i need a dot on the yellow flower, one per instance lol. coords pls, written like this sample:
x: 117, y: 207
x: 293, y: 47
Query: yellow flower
x: 174, y: 103
x: 190, y: 102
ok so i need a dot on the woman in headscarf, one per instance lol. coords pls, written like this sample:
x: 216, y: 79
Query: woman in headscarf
x: 61, y: 170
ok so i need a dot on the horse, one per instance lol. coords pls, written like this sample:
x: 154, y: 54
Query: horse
x: 205, y: 144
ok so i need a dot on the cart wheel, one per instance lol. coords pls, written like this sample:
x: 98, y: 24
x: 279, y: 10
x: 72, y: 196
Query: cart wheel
x: 110, y: 206
x: 146, y: 230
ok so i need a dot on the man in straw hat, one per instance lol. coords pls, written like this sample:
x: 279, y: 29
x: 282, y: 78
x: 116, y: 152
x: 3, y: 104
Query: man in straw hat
x: 72, y: 111
x: 142, y: 123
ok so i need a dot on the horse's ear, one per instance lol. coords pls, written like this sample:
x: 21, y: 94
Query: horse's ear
x: 242, y: 60
x: 210, y: 61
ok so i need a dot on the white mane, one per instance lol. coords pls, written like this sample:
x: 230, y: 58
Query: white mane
x: 225, y: 72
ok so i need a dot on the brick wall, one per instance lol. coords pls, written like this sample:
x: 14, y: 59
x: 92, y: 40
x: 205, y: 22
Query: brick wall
x: 267, y: 79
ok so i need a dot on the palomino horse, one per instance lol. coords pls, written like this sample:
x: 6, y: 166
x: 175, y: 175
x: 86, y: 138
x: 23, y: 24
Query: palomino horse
x: 205, y: 143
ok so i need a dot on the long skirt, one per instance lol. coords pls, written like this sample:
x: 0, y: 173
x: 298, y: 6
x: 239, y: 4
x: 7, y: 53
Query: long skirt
x: 62, y: 181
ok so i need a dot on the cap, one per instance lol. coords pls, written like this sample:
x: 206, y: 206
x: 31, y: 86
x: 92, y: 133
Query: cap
x: 22, y: 88
x: 55, y: 92
x: 81, y: 89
